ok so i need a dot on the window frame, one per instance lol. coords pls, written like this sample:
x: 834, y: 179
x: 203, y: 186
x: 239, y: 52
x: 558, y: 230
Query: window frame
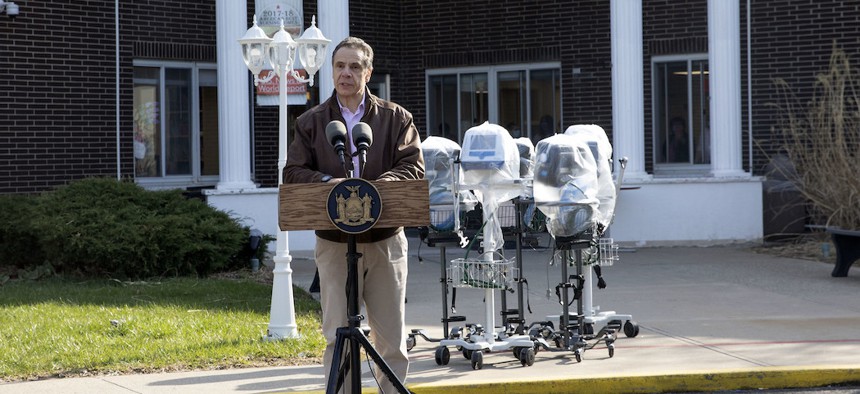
x: 195, y: 179
x: 492, y: 72
x: 676, y: 169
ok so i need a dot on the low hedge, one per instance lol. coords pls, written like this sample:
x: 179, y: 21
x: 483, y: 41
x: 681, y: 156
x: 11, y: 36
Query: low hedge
x: 105, y: 227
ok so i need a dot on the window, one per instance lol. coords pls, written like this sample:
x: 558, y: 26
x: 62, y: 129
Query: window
x: 456, y: 103
x: 681, y: 114
x: 175, y: 124
x: 380, y: 86
x: 525, y: 99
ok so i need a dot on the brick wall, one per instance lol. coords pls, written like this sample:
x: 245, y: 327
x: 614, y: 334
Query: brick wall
x: 57, y: 81
x: 56, y: 95
x: 793, y: 40
x: 588, y: 95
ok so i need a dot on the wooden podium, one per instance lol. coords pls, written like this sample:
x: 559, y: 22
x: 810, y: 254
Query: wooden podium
x: 314, y: 206
x: 302, y: 206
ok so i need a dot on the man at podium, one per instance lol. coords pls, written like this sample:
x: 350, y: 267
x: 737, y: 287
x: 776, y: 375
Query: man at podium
x: 393, y: 154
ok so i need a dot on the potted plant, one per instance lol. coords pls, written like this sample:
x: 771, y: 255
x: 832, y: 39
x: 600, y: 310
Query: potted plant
x: 822, y: 139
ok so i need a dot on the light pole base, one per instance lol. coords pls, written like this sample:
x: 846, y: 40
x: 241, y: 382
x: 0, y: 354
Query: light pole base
x: 281, y: 333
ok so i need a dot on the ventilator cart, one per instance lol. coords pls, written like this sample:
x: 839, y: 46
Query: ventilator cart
x: 489, y: 163
x: 515, y: 217
x: 575, y: 191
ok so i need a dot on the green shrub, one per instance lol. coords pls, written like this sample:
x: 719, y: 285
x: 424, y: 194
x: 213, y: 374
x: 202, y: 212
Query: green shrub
x: 102, y: 226
x: 19, y: 243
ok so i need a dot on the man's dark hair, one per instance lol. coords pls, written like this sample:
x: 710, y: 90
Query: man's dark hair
x: 357, y: 43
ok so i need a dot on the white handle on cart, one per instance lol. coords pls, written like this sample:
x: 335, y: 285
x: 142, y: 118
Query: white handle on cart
x: 623, y: 164
x: 455, y: 187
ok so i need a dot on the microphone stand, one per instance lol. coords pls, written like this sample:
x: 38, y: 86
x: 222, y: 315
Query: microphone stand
x: 353, y: 339
x: 362, y: 159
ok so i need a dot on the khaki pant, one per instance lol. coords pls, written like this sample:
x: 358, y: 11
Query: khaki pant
x: 382, y: 272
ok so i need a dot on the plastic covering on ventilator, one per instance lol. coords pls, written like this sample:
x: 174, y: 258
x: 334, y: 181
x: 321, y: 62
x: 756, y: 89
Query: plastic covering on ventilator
x: 527, y: 169
x: 490, y: 163
x: 439, y: 156
x: 566, y: 185
x: 601, y: 149
x: 527, y: 157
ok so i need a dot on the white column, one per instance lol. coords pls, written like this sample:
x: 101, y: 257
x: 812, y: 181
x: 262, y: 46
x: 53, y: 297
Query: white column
x: 234, y: 138
x: 725, y: 82
x: 628, y: 113
x: 333, y: 19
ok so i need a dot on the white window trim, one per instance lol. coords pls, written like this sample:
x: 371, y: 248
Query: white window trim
x: 675, y: 170
x: 383, y: 83
x: 492, y: 85
x: 195, y: 179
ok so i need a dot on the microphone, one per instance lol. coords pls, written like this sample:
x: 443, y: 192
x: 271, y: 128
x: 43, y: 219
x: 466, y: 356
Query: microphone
x: 362, y: 138
x: 335, y: 133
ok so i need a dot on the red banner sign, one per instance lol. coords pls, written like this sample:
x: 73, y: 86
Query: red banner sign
x: 271, y: 88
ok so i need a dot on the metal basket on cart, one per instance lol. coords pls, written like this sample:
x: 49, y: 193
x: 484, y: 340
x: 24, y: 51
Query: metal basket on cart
x: 481, y: 274
x: 607, y: 251
x: 442, y: 218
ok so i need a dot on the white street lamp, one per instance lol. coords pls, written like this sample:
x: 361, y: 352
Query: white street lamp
x: 279, y: 52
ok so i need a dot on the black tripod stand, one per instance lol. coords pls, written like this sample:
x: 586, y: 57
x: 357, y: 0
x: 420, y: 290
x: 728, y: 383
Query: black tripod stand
x: 351, y: 339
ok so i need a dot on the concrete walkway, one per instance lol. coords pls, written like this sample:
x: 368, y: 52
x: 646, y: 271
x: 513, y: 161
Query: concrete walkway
x: 716, y: 318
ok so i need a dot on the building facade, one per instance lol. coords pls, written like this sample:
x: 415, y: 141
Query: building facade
x: 136, y: 90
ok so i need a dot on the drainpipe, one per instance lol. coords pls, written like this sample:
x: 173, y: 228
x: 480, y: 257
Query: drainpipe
x: 749, y: 90
x: 116, y: 70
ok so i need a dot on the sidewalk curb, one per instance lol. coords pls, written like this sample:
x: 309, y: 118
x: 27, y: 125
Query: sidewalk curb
x: 757, y: 378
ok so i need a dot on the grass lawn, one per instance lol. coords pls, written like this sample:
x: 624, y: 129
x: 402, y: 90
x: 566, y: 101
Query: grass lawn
x: 62, y: 327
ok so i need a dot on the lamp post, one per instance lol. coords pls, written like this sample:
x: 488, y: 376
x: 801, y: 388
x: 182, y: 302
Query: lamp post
x: 279, y: 52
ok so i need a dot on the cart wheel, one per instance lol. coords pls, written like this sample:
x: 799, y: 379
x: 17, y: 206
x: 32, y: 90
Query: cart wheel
x: 410, y: 342
x: 588, y: 329
x: 477, y: 359
x: 611, y: 348
x: 578, y: 356
x: 527, y: 356
x: 631, y: 329
x: 516, y: 351
x: 443, y: 355
x: 467, y: 354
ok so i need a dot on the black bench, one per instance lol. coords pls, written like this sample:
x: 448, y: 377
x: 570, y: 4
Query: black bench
x: 847, y: 243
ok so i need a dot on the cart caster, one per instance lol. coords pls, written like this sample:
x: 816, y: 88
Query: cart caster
x: 527, y: 356
x: 611, y: 348
x: 467, y: 354
x: 410, y: 342
x: 455, y: 332
x: 578, y: 356
x: 631, y: 329
x: 477, y: 359
x: 443, y: 355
